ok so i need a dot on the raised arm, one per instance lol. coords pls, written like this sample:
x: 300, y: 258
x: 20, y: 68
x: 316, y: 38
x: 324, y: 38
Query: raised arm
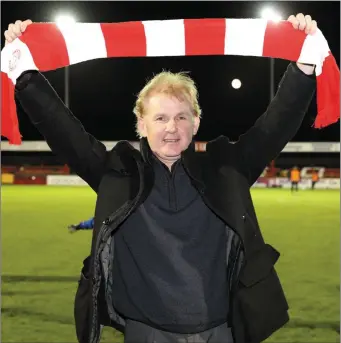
x: 278, y: 125
x: 63, y: 132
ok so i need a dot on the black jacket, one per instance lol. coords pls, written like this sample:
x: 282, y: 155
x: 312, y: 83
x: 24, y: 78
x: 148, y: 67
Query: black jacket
x: 223, y: 175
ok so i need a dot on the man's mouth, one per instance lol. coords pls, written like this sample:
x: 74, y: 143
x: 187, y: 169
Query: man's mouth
x: 171, y: 140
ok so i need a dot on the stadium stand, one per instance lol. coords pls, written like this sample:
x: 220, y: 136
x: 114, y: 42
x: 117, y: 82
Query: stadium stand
x: 34, y: 163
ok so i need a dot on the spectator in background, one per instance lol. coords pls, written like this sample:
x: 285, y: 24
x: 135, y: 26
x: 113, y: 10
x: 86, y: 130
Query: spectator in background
x: 314, y: 178
x: 84, y: 225
x: 295, y: 178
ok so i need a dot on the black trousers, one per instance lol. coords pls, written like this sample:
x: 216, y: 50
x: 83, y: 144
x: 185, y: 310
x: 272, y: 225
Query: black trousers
x: 136, y: 332
x: 294, y: 186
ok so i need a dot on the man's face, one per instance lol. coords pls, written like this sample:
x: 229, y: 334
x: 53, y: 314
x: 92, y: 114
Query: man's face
x: 169, y: 125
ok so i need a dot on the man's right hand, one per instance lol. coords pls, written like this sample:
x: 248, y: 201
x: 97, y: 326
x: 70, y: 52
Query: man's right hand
x: 15, y: 30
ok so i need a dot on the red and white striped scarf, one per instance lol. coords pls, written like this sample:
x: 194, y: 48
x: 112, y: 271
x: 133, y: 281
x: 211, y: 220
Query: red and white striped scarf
x: 45, y: 46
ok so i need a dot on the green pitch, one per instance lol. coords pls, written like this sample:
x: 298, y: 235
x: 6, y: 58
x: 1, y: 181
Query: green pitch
x: 41, y: 261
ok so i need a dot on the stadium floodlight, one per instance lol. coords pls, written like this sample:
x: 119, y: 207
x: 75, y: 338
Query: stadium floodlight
x: 270, y: 14
x: 236, y: 83
x: 64, y: 21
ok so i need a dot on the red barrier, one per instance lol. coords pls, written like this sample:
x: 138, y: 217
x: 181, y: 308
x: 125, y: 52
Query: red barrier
x: 29, y: 180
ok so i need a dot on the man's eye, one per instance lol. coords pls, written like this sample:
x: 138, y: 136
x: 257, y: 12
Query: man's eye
x: 160, y: 118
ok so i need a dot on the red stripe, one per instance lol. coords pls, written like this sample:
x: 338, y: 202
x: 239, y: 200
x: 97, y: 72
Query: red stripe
x: 125, y: 39
x: 47, y: 46
x: 328, y: 94
x: 205, y: 36
x: 282, y: 41
x: 9, y: 119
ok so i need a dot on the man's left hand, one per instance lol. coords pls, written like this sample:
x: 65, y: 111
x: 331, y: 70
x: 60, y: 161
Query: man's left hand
x: 304, y: 23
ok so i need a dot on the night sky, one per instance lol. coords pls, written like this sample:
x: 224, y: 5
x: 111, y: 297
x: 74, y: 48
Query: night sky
x: 103, y: 92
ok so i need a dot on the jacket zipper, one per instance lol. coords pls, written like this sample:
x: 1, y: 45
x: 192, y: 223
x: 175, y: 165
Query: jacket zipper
x: 235, y: 262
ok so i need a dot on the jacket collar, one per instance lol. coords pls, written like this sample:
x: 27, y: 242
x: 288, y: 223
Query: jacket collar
x: 145, y: 150
x: 193, y: 162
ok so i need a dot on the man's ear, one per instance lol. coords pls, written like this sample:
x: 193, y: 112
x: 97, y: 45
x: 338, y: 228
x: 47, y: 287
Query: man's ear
x: 196, y: 125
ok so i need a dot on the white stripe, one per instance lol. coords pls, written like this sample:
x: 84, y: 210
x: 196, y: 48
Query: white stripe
x: 314, y: 50
x: 15, y: 59
x: 245, y: 37
x: 165, y: 37
x: 84, y: 41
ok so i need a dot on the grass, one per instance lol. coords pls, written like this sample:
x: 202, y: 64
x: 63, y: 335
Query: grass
x: 41, y: 261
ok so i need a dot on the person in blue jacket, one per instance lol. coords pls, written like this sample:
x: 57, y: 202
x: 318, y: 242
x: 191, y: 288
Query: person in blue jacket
x: 84, y: 225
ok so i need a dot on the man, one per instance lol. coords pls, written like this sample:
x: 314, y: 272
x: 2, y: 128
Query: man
x: 177, y: 254
x: 314, y: 178
x: 84, y: 225
x: 295, y: 178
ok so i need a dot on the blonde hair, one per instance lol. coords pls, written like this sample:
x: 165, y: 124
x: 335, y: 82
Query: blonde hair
x: 179, y: 85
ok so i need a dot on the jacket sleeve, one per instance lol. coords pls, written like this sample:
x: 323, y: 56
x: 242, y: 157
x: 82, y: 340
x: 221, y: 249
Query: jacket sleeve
x: 278, y: 125
x: 63, y: 132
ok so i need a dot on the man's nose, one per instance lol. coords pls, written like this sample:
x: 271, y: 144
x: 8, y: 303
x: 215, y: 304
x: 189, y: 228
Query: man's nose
x: 171, y: 126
